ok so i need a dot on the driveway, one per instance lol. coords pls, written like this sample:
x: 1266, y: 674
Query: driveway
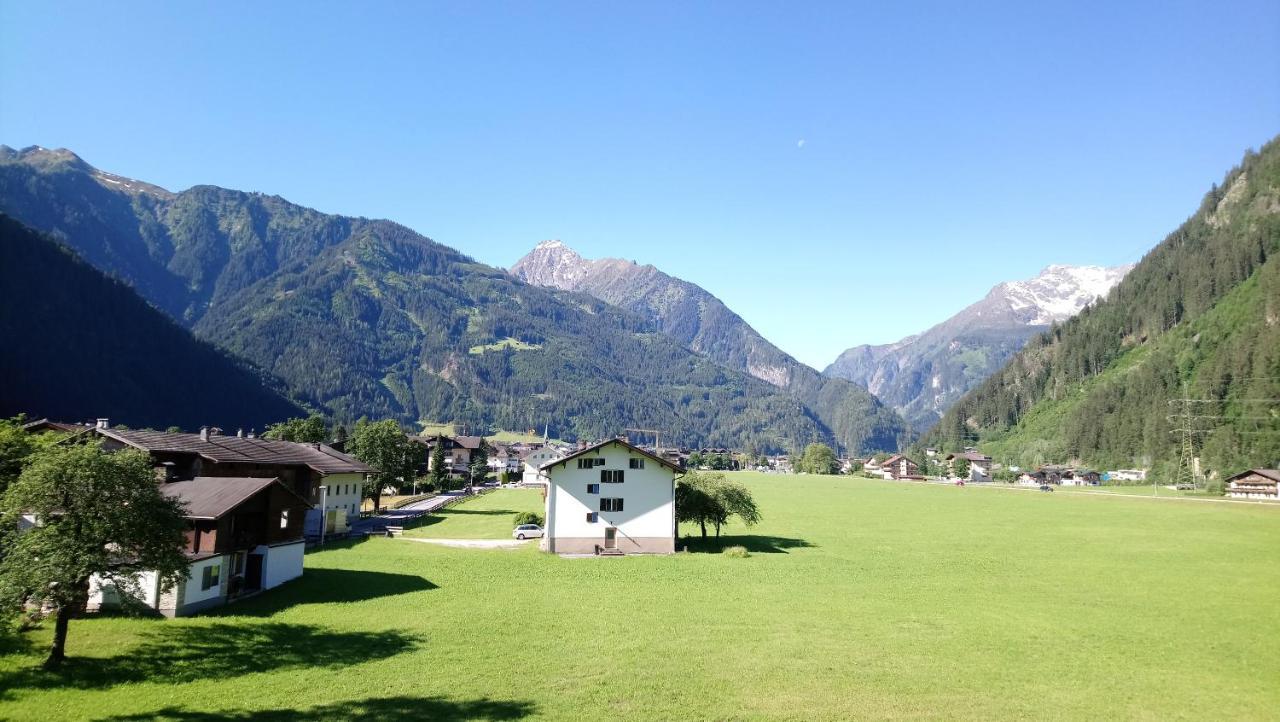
x: 397, y: 517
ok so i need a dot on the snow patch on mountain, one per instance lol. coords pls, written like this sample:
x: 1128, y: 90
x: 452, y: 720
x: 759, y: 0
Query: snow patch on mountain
x: 1059, y: 292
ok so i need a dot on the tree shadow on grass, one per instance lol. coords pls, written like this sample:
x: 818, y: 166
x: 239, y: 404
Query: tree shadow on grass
x: 326, y: 586
x: 367, y: 710
x: 175, y: 653
x: 756, y: 544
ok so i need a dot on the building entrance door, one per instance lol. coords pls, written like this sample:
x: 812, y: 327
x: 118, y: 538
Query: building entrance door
x: 610, y: 538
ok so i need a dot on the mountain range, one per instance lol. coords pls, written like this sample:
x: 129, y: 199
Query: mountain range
x: 699, y: 321
x: 923, y: 375
x: 366, y: 317
x: 1183, y: 352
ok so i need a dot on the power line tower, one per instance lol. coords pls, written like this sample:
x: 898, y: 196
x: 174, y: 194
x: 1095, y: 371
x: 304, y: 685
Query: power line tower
x: 1188, y: 470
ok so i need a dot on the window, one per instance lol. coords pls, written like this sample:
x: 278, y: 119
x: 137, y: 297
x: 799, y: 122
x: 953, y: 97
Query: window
x: 637, y: 463
x: 591, y: 517
x: 600, y: 461
x: 284, y: 518
x: 611, y: 476
x: 593, y: 488
x: 211, y: 574
x: 610, y: 504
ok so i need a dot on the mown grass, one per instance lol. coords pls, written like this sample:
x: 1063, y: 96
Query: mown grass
x: 488, y: 516
x: 859, y: 599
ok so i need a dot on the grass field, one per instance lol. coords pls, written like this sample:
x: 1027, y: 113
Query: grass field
x: 860, y: 599
x: 488, y: 516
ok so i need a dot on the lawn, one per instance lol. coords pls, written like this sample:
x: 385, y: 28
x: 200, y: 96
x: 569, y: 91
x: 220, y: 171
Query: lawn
x: 861, y: 599
x: 488, y: 516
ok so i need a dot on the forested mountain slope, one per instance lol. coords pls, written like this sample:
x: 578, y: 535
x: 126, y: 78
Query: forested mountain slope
x: 78, y: 345
x: 702, y: 323
x: 365, y: 317
x: 1200, y: 315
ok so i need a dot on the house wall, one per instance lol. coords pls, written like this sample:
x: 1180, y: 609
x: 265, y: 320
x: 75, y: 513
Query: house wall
x: 195, y: 599
x: 281, y: 563
x: 646, y: 524
x: 104, y: 593
x: 345, y: 495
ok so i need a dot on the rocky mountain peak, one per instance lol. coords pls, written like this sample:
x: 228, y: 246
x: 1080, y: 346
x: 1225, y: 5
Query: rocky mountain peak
x: 552, y: 263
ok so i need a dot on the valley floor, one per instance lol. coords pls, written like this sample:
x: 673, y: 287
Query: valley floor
x: 861, y: 599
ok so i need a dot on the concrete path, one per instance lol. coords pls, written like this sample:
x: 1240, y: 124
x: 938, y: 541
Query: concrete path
x: 473, y: 543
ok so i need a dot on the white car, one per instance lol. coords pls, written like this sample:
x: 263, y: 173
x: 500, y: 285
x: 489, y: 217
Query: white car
x: 527, y: 531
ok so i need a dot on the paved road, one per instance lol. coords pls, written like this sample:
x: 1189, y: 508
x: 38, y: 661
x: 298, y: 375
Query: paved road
x: 397, y: 517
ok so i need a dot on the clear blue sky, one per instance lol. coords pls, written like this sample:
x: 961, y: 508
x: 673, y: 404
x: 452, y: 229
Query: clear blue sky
x: 946, y: 146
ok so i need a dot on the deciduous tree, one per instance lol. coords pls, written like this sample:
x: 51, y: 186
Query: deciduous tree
x: 96, y: 514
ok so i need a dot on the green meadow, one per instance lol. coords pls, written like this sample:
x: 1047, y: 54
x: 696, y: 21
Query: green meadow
x: 488, y: 516
x: 860, y: 599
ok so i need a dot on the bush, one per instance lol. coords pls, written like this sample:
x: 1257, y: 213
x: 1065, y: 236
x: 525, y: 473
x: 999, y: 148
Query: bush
x: 528, y: 517
x: 736, y: 552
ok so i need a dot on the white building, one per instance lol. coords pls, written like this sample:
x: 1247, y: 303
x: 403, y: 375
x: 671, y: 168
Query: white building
x: 534, y: 461
x: 611, y: 497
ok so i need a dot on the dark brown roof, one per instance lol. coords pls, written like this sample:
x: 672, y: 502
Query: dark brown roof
x: 970, y: 455
x: 468, y: 442
x: 222, y: 449
x: 47, y: 425
x: 1272, y: 474
x: 601, y: 444
x: 211, y: 497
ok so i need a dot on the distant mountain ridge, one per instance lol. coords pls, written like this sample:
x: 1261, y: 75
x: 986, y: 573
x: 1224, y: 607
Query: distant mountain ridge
x: 366, y: 317
x: 923, y: 374
x: 702, y: 323
x: 1197, y: 318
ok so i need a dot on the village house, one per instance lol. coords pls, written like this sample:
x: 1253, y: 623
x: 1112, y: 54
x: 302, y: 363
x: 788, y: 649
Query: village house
x: 979, y: 464
x: 1262, y: 484
x: 899, y: 466
x: 244, y: 535
x: 610, y: 498
x: 532, y: 463
x: 315, y: 472
x: 457, y: 452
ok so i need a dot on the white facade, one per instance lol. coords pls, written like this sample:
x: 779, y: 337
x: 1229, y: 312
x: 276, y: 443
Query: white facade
x: 341, y: 504
x: 534, y: 461
x: 282, y: 563
x: 581, y: 506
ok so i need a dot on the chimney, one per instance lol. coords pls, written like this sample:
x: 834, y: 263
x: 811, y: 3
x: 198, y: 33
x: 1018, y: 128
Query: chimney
x: 103, y: 424
x: 252, y: 435
x: 204, y: 433
x: 239, y: 433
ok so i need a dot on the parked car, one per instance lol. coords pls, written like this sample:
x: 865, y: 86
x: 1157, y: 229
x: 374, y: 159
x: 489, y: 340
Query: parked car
x: 527, y: 531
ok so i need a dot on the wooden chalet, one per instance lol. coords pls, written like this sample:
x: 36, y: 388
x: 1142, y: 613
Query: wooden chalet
x: 244, y: 535
x: 301, y: 468
x: 899, y: 466
x: 1261, y: 484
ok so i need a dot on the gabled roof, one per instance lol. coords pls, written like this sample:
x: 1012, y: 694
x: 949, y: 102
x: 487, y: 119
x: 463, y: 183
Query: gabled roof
x: 46, y: 425
x: 468, y: 442
x: 224, y: 449
x: 601, y: 444
x: 970, y: 455
x: 1272, y: 474
x: 212, y: 497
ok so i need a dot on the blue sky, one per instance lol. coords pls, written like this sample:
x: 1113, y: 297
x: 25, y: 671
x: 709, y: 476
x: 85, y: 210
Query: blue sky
x: 838, y: 173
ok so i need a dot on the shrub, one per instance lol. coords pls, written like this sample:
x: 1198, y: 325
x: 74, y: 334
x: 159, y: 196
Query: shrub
x: 736, y: 552
x: 528, y: 517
